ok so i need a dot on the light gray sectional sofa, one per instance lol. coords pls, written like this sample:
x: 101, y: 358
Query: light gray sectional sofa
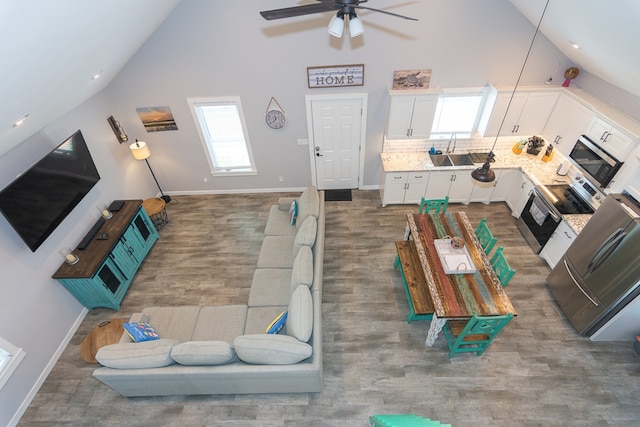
x: 224, y: 349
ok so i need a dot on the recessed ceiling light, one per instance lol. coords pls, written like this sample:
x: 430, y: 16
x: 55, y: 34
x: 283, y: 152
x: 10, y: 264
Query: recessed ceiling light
x: 21, y: 120
x: 96, y: 76
x: 575, y: 45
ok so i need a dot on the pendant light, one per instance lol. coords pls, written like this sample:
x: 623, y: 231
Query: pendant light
x: 484, y: 172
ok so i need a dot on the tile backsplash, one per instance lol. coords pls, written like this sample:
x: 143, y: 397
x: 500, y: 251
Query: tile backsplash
x: 461, y: 145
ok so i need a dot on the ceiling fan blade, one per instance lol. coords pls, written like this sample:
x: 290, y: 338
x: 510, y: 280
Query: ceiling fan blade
x: 388, y: 13
x: 289, y: 12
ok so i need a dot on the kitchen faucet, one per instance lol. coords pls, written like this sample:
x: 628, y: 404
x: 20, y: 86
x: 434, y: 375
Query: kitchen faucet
x: 453, y: 138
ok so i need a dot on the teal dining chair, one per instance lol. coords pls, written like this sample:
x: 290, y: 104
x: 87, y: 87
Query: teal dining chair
x: 484, y: 235
x: 474, y: 335
x: 434, y: 205
x: 502, y: 267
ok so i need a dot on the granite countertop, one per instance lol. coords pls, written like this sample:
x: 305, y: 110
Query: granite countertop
x: 577, y: 222
x: 540, y: 173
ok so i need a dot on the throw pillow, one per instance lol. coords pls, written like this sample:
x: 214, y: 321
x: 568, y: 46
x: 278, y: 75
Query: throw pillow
x: 203, y: 353
x: 149, y: 354
x: 302, y: 271
x: 300, y: 319
x: 306, y: 234
x: 277, y: 324
x: 293, y: 212
x: 140, y: 332
x: 263, y: 349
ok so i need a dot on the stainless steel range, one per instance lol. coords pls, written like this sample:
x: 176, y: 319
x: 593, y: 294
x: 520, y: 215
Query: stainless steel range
x: 548, y: 203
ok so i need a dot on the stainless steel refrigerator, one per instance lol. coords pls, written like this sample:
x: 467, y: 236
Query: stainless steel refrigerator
x: 600, y: 272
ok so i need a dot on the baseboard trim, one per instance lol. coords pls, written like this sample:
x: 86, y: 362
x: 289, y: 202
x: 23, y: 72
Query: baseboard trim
x: 48, y: 368
x: 250, y: 191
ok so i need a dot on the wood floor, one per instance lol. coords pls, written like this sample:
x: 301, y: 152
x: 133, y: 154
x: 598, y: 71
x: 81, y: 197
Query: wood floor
x: 538, y: 372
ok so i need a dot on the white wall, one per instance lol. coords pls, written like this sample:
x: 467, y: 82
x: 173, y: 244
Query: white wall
x: 36, y: 312
x: 215, y: 48
x: 210, y: 48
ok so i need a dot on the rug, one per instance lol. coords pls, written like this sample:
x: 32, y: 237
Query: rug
x: 337, y: 195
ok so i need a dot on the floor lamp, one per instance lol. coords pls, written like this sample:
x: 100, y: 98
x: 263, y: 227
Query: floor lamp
x: 140, y: 151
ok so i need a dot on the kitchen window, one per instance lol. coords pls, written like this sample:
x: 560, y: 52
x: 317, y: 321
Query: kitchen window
x: 457, y: 114
x: 223, y: 133
x: 10, y: 358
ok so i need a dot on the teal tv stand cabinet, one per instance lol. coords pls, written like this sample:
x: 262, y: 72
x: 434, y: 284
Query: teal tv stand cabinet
x: 107, y: 267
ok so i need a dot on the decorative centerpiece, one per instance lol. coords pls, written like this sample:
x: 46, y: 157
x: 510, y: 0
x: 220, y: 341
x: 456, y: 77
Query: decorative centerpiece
x: 570, y: 74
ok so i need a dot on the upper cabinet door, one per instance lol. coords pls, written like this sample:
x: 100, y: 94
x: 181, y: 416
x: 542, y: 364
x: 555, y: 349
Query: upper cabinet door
x: 411, y: 116
x: 613, y: 139
x: 569, y: 119
x: 527, y: 113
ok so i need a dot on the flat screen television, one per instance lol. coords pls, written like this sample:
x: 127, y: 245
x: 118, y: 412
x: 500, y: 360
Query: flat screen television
x: 41, y: 198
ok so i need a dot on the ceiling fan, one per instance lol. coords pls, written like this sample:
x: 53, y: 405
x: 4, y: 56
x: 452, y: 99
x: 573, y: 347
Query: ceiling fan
x: 336, y: 26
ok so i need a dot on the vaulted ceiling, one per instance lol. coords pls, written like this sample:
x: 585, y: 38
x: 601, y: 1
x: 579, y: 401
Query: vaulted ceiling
x: 57, y: 54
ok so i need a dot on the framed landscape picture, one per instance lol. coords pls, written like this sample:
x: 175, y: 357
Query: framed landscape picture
x: 156, y: 119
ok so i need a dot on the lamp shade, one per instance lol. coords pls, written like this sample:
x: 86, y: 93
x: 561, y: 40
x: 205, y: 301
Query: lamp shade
x: 484, y: 173
x: 356, y: 27
x: 140, y: 150
x: 336, y: 26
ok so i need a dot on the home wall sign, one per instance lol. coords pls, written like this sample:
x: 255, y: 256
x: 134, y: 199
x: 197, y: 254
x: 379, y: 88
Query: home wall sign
x: 336, y: 76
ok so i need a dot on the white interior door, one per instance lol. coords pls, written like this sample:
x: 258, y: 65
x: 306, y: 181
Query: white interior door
x: 336, y: 133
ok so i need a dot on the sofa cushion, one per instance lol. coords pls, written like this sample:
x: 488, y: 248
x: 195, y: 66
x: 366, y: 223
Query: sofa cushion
x: 306, y: 235
x: 258, y: 318
x: 302, y: 272
x: 176, y: 322
x: 208, y: 353
x: 148, y: 354
x: 275, y: 252
x: 300, y: 317
x: 270, y: 286
x: 278, y: 223
x: 220, y: 323
x: 263, y: 349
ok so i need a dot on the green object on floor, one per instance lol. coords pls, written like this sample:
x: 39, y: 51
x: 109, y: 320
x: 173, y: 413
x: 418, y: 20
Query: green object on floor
x: 403, y: 420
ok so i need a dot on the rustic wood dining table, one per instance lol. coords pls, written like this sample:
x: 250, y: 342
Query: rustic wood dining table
x: 455, y: 296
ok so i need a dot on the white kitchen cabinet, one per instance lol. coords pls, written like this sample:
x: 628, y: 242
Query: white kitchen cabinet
x: 457, y: 184
x: 504, y: 183
x: 498, y: 190
x: 558, y: 244
x: 628, y: 178
x: 569, y: 119
x: 527, y: 114
x: 482, y: 191
x: 404, y: 187
x: 610, y: 137
x: 519, y: 194
x: 411, y: 115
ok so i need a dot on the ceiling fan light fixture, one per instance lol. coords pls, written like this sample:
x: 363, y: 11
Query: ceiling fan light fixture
x: 356, y: 28
x: 336, y: 25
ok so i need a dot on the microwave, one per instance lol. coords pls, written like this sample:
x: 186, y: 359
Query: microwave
x: 594, y: 161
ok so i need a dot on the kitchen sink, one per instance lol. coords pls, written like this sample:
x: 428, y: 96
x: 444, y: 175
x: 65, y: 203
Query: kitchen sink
x: 440, y: 160
x: 480, y: 157
x: 461, y: 159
